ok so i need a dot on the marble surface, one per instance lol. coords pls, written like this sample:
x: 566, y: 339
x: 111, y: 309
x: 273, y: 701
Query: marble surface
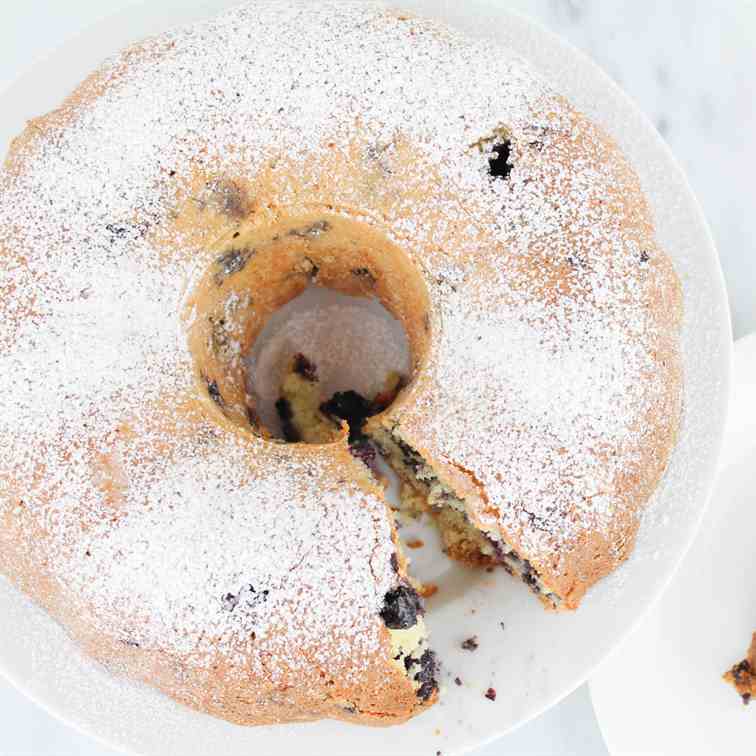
x: 688, y: 65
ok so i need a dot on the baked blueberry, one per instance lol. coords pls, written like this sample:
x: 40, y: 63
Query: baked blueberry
x: 214, y: 392
x: 302, y: 366
x: 231, y: 262
x: 401, y: 607
x: 498, y: 163
x: 349, y: 406
x: 286, y: 416
x: 427, y: 675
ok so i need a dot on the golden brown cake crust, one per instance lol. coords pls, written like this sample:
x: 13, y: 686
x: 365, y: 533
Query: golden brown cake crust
x: 178, y: 197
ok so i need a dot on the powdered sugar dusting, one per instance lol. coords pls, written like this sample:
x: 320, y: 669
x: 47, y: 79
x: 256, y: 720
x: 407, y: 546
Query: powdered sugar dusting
x: 122, y: 495
x: 581, y: 407
x: 241, y: 575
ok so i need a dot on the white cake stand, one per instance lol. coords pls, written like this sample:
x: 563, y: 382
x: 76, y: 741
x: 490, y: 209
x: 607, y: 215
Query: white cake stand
x: 536, y: 658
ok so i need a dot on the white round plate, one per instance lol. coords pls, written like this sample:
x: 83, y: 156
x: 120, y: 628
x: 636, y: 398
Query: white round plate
x: 661, y: 691
x: 533, y: 659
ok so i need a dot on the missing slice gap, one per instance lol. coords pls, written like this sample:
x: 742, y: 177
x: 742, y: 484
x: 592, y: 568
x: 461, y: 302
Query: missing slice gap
x: 462, y: 540
x: 423, y: 489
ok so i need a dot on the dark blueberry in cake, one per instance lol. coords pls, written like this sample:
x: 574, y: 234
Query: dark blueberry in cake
x: 127, y: 230
x: 576, y: 261
x: 427, y: 675
x: 118, y: 231
x: 315, y: 229
x: 457, y: 681
x: 302, y: 366
x: 538, y: 136
x: 530, y: 580
x: 411, y: 464
x: 214, y: 392
x: 130, y: 642
x: 644, y: 256
x: 314, y: 269
x: 444, y: 283
x: 743, y: 668
x: 364, y: 451
x: 229, y: 602
x: 471, y: 644
x: 349, y: 406
x: 401, y: 607
x: 491, y: 694
x: 529, y: 576
x: 366, y: 275
x: 247, y: 596
x: 410, y: 458
x: 231, y: 262
x: 498, y: 163
x: 498, y: 549
x: 285, y: 415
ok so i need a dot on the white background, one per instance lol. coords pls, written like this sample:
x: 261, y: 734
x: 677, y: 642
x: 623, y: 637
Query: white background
x: 690, y: 64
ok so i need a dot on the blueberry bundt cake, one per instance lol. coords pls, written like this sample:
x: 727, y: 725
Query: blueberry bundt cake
x: 188, y: 189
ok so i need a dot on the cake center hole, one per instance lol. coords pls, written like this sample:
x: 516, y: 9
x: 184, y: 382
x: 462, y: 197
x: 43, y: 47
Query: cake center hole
x: 325, y: 357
